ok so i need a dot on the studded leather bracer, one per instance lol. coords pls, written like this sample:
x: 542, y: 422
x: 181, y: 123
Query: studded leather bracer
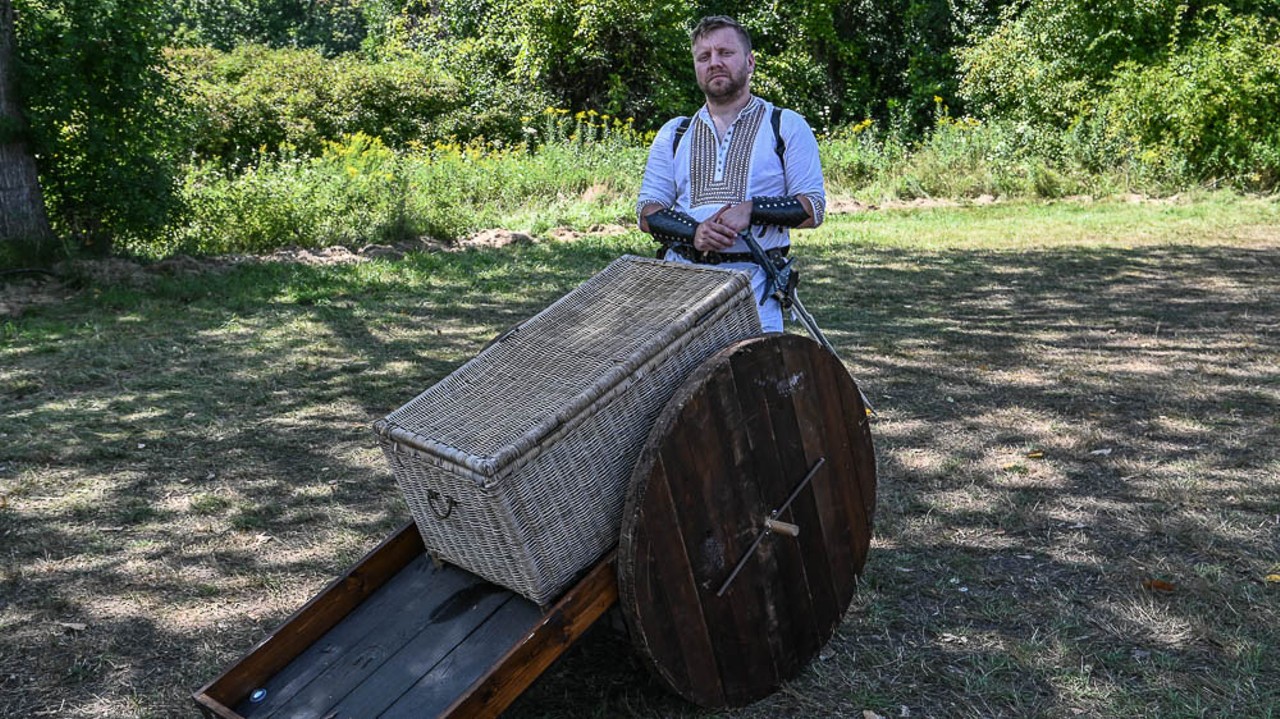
x: 670, y: 226
x: 778, y: 211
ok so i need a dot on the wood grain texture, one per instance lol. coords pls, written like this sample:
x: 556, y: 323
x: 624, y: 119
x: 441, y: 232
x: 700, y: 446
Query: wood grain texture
x: 548, y: 636
x: 726, y: 452
x: 426, y: 641
x: 310, y: 622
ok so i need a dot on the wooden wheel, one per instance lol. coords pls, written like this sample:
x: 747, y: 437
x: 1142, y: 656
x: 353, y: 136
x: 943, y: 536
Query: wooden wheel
x: 724, y: 608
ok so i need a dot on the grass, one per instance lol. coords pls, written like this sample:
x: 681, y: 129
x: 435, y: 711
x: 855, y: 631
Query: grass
x: 1074, y: 399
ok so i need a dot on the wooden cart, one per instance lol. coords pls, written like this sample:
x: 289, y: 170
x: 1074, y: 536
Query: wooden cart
x: 747, y: 522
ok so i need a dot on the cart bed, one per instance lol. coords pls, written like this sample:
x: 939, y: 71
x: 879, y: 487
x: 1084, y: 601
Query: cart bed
x: 398, y: 636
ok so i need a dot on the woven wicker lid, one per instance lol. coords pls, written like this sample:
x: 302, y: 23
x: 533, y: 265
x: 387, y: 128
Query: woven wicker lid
x: 546, y: 371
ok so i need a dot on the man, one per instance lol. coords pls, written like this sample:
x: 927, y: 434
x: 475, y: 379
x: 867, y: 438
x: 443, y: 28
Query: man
x: 730, y: 169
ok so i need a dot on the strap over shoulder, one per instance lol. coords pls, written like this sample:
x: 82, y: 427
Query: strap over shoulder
x: 775, y: 119
x: 682, y: 128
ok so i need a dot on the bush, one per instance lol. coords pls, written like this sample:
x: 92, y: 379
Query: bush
x: 352, y: 194
x: 1206, y: 112
x: 575, y: 171
x: 254, y: 98
x: 332, y: 26
x: 1049, y: 59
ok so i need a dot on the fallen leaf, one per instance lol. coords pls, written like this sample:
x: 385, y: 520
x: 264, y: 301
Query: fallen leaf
x: 1101, y: 452
x: 868, y: 714
x: 73, y: 626
x: 1157, y: 585
x: 1035, y: 454
x: 948, y: 638
x: 1273, y: 578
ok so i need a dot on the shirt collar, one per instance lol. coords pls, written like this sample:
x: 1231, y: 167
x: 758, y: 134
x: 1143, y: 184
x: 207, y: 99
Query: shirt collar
x: 751, y: 106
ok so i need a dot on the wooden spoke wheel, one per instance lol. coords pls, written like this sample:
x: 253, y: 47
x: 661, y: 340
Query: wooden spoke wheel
x: 767, y: 439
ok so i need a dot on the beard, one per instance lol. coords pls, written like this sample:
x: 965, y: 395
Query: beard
x: 724, y: 87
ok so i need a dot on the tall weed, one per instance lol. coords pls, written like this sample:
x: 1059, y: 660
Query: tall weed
x: 574, y: 171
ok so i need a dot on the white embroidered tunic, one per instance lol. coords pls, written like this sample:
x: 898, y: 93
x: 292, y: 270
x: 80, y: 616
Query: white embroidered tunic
x: 706, y: 173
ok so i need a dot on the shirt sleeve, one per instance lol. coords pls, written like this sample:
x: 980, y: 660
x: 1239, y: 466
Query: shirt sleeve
x: 659, y: 184
x: 804, y: 167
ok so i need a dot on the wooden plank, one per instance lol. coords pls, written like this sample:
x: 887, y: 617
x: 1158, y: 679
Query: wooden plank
x: 552, y: 634
x: 852, y: 491
x: 717, y: 525
x: 419, y: 655
x: 438, y: 607
x: 214, y: 709
x: 333, y: 646
x: 433, y: 692
x: 310, y: 622
x: 666, y: 591
x: 730, y: 448
x: 782, y: 561
x: 830, y: 531
x: 428, y: 640
x: 744, y: 622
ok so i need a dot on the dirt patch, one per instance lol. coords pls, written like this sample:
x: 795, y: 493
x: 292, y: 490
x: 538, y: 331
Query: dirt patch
x: 567, y: 234
x: 848, y: 205
x: 342, y: 255
x: 495, y: 238
x: 29, y: 290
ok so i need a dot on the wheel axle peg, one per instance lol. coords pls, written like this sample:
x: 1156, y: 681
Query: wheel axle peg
x: 777, y: 526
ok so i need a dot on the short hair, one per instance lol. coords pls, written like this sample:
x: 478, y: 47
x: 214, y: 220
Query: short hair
x: 714, y: 22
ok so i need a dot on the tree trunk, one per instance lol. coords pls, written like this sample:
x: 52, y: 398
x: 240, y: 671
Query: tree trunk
x: 22, y: 215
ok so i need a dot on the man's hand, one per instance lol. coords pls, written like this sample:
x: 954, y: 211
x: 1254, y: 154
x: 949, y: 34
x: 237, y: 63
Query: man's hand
x: 714, y: 234
x: 736, y: 217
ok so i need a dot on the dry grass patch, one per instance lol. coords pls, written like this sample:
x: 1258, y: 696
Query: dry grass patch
x: 1078, y: 443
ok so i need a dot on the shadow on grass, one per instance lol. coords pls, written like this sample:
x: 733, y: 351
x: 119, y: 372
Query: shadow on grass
x: 1058, y: 433
x: 185, y: 463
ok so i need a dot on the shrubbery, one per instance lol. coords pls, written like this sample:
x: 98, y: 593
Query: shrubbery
x: 255, y: 97
x: 577, y: 171
x: 377, y: 120
x: 1210, y: 111
x: 1168, y: 91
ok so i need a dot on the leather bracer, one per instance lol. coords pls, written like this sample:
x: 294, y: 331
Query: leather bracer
x: 670, y: 226
x: 778, y: 211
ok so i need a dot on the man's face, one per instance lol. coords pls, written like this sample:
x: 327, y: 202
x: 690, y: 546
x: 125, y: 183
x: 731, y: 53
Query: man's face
x: 722, y: 64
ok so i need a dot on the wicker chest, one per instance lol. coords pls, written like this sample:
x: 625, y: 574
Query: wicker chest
x: 515, y: 466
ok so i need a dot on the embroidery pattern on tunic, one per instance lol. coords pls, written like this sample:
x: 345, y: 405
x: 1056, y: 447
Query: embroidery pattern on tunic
x: 732, y: 187
x: 819, y: 207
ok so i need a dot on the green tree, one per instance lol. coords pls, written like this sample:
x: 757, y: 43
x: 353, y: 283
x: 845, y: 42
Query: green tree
x: 332, y: 26
x: 832, y: 60
x: 102, y: 119
x: 1049, y: 61
x: 1186, y: 88
x: 22, y: 216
